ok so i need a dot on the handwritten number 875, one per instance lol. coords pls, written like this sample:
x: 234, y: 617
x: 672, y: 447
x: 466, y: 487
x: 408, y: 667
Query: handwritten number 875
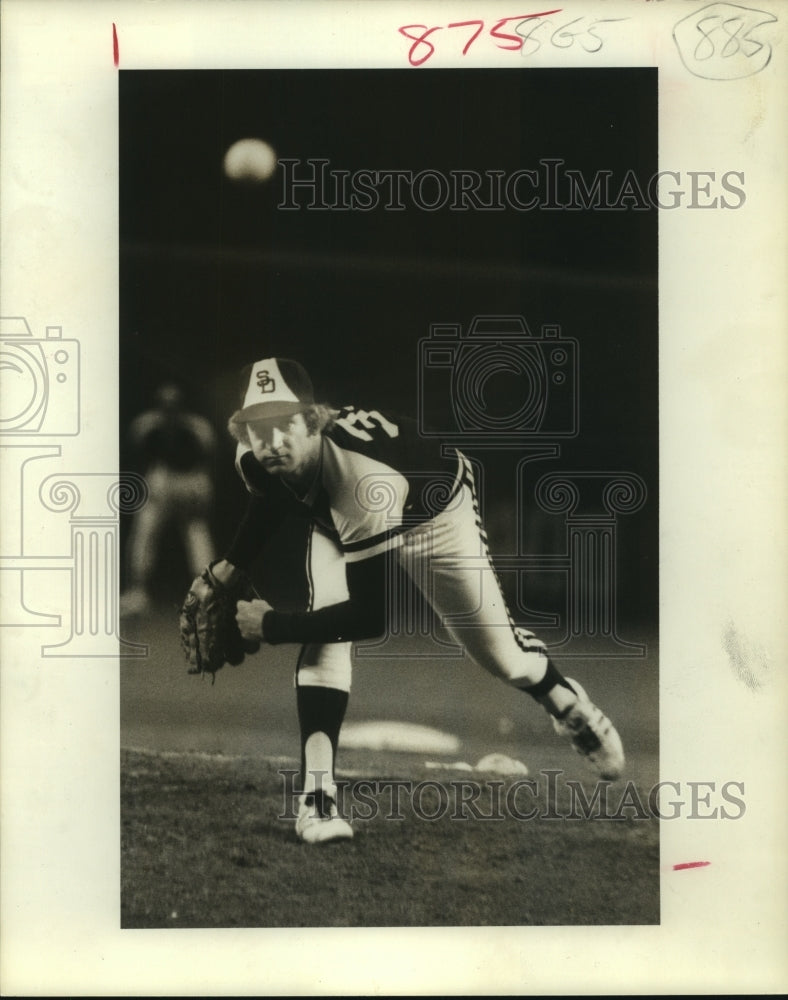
x: 513, y: 42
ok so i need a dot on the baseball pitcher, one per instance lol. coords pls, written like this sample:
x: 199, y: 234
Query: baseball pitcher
x: 372, y: 489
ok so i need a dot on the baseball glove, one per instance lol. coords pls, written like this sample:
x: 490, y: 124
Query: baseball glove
x: 209, y: 632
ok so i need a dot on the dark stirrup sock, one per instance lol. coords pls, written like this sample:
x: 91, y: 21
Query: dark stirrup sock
x: 552, y: 677
x: 320, y: 710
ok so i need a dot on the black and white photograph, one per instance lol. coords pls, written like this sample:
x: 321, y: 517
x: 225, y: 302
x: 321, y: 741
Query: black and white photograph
x: 392, y: 440
x: 403, y: 400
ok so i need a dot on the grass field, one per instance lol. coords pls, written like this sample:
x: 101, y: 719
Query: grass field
x: 203, y: 844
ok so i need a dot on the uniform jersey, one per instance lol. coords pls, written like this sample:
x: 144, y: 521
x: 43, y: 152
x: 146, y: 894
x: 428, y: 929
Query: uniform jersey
x: 377, y: 478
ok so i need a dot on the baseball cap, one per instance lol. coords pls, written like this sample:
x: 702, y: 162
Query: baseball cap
x: 274, y: 387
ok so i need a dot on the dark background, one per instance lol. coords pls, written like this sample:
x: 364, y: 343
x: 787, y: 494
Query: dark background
x: 213, y: 275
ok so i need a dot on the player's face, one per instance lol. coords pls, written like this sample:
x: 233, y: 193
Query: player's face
x: 284, y: 446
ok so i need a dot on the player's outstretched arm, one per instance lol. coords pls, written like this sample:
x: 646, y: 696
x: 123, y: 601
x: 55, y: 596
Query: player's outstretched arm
x: 363, y: 616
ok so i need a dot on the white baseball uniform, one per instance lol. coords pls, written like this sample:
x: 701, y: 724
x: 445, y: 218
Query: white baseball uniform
x: 383, y: 491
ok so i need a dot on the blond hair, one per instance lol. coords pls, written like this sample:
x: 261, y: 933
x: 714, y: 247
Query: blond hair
x: 318, y: 418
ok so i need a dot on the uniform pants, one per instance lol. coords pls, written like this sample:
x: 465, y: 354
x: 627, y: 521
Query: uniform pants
x: 448, y: 559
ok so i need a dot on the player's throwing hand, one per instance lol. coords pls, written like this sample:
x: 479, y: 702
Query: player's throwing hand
x: 249, y: 616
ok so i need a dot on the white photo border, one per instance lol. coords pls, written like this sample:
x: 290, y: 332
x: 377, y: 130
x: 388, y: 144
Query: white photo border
x: 722, y: 496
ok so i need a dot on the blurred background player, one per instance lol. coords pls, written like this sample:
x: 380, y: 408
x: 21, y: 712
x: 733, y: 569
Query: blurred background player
x: 374, y: 489
x: 174, y: 450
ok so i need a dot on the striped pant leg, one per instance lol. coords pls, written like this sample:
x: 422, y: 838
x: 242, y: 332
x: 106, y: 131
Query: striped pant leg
x: 449, y: 557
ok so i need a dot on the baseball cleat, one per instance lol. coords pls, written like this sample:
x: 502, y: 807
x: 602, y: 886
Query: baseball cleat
x: 319, y: 821
x: 593, y: 735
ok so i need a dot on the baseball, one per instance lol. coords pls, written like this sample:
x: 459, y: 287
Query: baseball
x: 249, y: 160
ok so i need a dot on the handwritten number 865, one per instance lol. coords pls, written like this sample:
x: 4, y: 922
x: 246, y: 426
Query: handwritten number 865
x: 564, y: 36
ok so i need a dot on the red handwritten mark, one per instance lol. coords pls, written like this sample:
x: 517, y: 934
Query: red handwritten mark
x: 421, y: 39
x: 474, y: 36
x: 690, y: 864
x: 495, y: 31
x: 115, y: 48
